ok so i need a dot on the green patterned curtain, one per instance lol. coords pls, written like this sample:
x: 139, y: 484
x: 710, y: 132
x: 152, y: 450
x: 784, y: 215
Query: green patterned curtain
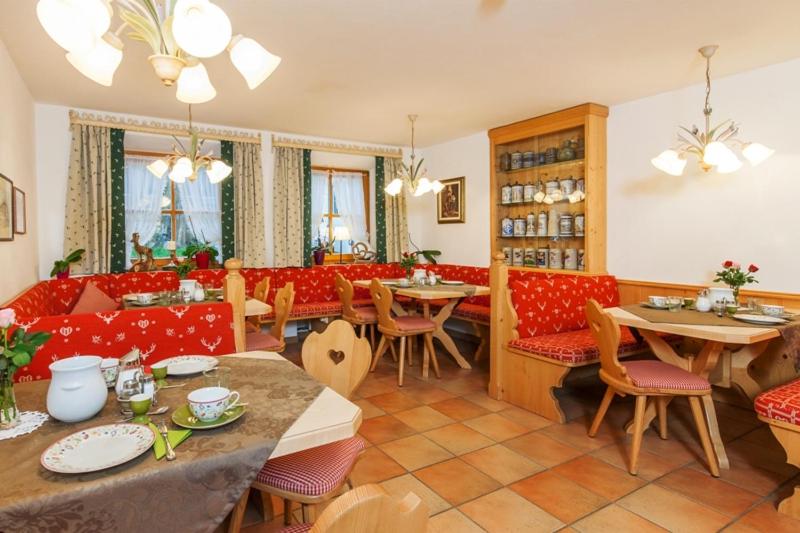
x: 228, y: 239
x: 380, y: 210
x: 306, y: 208
x: 118, y: 237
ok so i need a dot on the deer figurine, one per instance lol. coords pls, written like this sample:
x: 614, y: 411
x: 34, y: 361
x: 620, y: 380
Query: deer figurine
x: 145, y: 261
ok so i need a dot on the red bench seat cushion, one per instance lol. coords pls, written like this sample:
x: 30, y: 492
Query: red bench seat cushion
x: 781, y: 403
x: 474, y: 312
x: 573, y: 347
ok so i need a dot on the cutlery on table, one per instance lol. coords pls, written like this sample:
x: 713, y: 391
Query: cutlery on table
x: 159, y: 411
x: 162, y: 428
x: 172, y: 386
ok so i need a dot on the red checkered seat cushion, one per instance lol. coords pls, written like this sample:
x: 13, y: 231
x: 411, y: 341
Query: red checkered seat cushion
x: 315, y: 471
x: 297, y: 528
x: 367, y: 314
x: 257, y: 340
x: 660, y: 375
x: 414, y: 323
x: 475, y: 312
x: 316, y: 309
x: 574, y: 347
x: 781, y: 403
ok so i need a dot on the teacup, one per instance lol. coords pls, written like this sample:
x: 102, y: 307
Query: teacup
x: 658, y: 301
x: 403, y: 282
x: 772, y: 310
x: 145, y: 298
x: 110, y: 369
x: 209, y: 403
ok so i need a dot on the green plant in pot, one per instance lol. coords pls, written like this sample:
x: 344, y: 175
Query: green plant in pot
x: 61, y: 267
x: 202, y: 254
x: 321, y: 249
x: 184, y: 268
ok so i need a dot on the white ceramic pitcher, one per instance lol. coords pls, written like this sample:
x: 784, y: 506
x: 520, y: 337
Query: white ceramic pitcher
x: 77, y: 390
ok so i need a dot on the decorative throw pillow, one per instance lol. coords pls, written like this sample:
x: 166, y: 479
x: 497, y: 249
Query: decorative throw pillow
x: 93, y: 300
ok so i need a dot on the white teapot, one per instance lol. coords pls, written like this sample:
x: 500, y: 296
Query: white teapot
x: 77, y: 391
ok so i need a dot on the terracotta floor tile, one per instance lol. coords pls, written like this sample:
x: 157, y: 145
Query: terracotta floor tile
x: 679, y: 452
x: 700, y: 486
x: 453, y: 521
x: 525, y: 418
x: 374, y: 387
x: 383, y: 429
x: 651, y: 465
x: 765, y: 517
x: 575, y: 433
x: 502, y: 464
x: 459, y: 409
x: 766, y: 457
x: 559, y: 496
x: 428, y: 395
x: 600, y: 477
x: 484, y: 401
x: 400, y: 486
x: 375, y: 466
x: 368, y: 409
x: 456, y: 481
x: 503, y: 511
x: 672, y: 511
x: 458, y: 438
x: 746, y: 476
x: 615, y: 518
x: 423, y: 418
x: 542, y: 449
x: 393, y: 402
x: 415, y: 452
x: 462, y: 386
x: 496, y: 427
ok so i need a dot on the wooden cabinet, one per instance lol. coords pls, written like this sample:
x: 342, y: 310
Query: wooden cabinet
x: 532, y: 153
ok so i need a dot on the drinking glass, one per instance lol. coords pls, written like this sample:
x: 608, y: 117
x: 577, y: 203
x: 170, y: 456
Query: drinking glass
x: 217, y: 377
x: 674, y: 303
x: 753, y: 304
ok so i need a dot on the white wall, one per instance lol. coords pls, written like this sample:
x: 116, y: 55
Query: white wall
x: 19, y: 260
x: 467, y: 243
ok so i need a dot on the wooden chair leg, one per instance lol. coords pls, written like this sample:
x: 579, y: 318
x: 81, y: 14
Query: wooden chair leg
x: 237, y: 513
x: 638, y: 430
x: 411, y: 342
x: 372, y: 335
x: 434, y: 360
x: 661, y: 405
x: 601, y: 412
x: 287, y: 512
x: 391, y: 347
x: 702, y: 430
x: 401, y: 360
x: 307, y: 519
x: 379, y: 353
x: 363, y: 331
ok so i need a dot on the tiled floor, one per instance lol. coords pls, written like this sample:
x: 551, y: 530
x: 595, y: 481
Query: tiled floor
x: 484, y: 465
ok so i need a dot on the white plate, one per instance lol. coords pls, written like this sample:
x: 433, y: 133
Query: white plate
x: 653, y: 306
x: 186, y: 365
x: 445, y: 282
x: 97, y: 448
x: 760, y: 319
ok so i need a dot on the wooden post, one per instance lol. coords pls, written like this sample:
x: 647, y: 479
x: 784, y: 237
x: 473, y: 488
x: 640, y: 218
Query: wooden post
x: 498, y: 285
x: 234, y: 293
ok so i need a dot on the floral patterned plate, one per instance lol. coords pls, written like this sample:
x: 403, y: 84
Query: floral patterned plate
x: 186, y: 365
x: 97, y: 448
x: 183, y: 417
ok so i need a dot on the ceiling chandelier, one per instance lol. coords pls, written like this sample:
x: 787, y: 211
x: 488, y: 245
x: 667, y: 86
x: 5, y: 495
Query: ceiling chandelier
x: 713, y: 147
x: 183, y: 164
x: 179, y: 32
x: 413, y: 175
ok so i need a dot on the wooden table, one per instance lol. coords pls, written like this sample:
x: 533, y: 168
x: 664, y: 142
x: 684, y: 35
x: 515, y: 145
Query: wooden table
x: 453, y: 293
x: 744, y: 343
x: 252, y: 307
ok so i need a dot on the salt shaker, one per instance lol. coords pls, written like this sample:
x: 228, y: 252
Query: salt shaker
x: 431, y: 278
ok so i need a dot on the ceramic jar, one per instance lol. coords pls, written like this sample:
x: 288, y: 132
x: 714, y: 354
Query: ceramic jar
x: 530, y: 223
x: 551, y: 186
x: 565, y: 225
x: 541, y: 229
x: 567, y: 186
x: 519, y: 227
x: 505, y: 162
x: 528, y: 192
x: 517, y: 193
x: 517, y: 255
x: 507, y: 227
x: 567, y: 152
x: 542, y: 257
x: 703, y: 303
x: 527, y: 159
x: 580, y: 224
x: 553, y: 221
x: 580, y: 148
x: 516, y: 160
x: 507, y: 254
x: 77, y: 389
x: 580, y: 259
x: 505, y: 194
x: 550, y: 155
x: 580, y: 184
x: 556, y: 258
x: 530, y: 257
x: 571, y: 259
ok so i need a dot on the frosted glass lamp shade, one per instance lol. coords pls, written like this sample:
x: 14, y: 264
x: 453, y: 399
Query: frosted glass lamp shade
x: 716, y: 153
x: 218, y: 171
x: 194, y: 87
x: 423, y: 186
x: 437, y: 187
x: 101, y: 61
x: 201, y: 28
x: 181, y: 170
x: 158, y: 168
x: 729, y: 165
x: 670, y: 162
x: 341, y: 233
x: 74, y: 25
x: 252, y: 60
x: 394, y: 188
x: 755, y: 153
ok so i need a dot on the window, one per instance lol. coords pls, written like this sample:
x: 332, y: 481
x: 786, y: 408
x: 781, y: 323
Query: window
x: 160, y: 210
x: 340, y: 198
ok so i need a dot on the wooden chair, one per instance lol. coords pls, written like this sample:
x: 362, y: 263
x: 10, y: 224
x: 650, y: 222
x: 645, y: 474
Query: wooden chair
x: 274, y: 341
x: 260, y: 293
x: 369, y: 509
x: 403, y: 328
x: 644, y: 379
x: 366, y: 317
x: 337, y: 357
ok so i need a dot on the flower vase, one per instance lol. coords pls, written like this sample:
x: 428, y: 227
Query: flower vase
x: 9, y: 414
x: 736, y: 295
x: 202, y: 260
x: 409, y: 273
x: 319, y: 257
x: 64, y: 274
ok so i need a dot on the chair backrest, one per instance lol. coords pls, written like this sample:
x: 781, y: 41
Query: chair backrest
x: 345, y: 291
x: 284, y: 299
x: 337, y: 357
x: 382, y: 298
x: 606, y: 333
x: 261, y: 290
x: 368, y: 508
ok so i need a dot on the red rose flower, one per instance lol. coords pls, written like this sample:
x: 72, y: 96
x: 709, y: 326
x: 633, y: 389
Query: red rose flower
x: 727, y: 264
x: 736, y: 265
x: 752, y: 268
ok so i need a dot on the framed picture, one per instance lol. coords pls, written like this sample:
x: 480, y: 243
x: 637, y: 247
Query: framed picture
x: 6, y: 209
x: 20, y: 212
x: 450, y: 202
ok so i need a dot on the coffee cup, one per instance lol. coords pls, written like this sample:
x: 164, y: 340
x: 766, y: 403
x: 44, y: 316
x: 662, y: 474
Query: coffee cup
x: 772, y: 310
x: 145, y: 298
x: 658, y: 301
x: 110, y: 370
x: 403, y: 282
x: 209, y: 403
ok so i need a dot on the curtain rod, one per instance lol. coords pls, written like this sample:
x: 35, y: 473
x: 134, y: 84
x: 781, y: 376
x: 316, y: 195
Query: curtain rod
x: 160, y: 128
x: 337, y: 148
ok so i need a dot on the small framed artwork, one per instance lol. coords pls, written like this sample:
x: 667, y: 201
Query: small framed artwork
x: 6, y: 209
x: 20, y: 212
x: 450, y: 202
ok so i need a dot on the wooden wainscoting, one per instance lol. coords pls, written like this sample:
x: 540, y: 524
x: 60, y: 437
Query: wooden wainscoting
x: 634, y: 291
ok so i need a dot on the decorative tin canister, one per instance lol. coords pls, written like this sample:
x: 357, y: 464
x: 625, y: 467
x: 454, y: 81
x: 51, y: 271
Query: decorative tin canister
x: 580, y: 259
x: 507, y: 253
x: 516, y: 160
x: 571, y: 259
x: 565, y: 225
x: 551, y: 186
x: 527, y: 159
x: 505, y: 161
x: 580, y: 184
x: 541, y: 229
x: 540, y: 158
x: 580, y: 224
x: 505, y: 194
x: 507, y: 227
x: 517, y: 193
x: 555, y: 258
x: 517, y: 257
x: 553, y: 221
x: 530, y: 257
x: 519, y: 227
x: 530, y: 229
x: 567, y: 186
x: 542, y: 257
x: 567, y: 152
x: 580, y: 148
x: 528, y: 192
x: 550, y: 155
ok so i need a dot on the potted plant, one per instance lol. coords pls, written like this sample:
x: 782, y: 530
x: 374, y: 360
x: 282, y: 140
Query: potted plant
x: 183, y: 269
x: 734, y: 277
x: 202, y: 254
x: 321, y: 249
x: 61, y: 267
x: 18, y: 349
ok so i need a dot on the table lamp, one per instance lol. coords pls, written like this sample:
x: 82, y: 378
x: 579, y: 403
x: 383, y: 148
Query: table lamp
x: 170, y: 246
x: 341, y: 233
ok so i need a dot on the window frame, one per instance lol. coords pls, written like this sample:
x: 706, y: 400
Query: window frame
x: 330, y: 215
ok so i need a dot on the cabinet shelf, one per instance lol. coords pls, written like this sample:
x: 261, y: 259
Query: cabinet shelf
x: 548, y: 166
x: 547, y: 237
x: 565, y: 201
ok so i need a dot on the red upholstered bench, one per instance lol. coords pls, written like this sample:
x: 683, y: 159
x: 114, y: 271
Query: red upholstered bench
x: 780, y: 408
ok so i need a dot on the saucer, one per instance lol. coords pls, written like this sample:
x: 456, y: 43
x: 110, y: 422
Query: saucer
x: 183, y: 417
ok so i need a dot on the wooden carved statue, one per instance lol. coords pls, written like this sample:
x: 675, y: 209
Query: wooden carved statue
x: 145, y: 253
x: 362, y: 253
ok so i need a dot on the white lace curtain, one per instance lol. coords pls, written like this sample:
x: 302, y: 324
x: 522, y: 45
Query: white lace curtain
x: 200, y: 201
x: 143, y: 193
x: 348, y: 192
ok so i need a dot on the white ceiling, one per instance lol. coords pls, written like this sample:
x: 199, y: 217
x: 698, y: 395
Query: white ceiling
x: 353, y: 69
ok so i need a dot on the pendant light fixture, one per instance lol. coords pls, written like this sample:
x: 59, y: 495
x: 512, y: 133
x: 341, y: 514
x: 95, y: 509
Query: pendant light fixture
x: 713, y: 146
x: 413, y: 175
